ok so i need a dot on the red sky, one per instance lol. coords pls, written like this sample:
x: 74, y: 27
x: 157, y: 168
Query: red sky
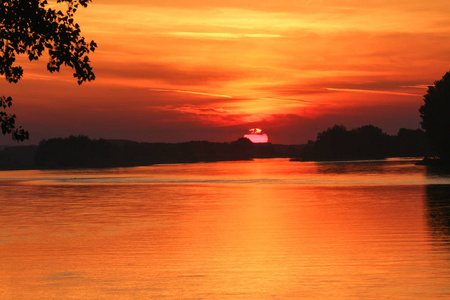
x: 174, y: 71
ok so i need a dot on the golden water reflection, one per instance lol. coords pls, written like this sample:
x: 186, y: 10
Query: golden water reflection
x: 220, y: 240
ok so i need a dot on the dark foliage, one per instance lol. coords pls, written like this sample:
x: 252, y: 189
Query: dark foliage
x: 8, y: 121
x: 411, y: 142
x: 366, y: 142
x: 72, y: 152
x: 29, y: 27
x: 435, y: 114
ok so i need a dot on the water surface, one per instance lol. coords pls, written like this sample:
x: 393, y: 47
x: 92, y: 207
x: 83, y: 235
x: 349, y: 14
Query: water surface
x: 263, y: 229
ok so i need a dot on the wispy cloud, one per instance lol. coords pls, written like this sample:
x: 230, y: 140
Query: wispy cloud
x: 296, y: 101
x: 372, y: 92
x: 224, y: 35
x: 418, y: 86
x: 190, y: 92
x: 226, y: 113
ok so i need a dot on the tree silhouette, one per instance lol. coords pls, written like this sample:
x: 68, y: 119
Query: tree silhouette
x: 365, y: 142
x: 29, y: 27
x: 435, y: 114
x: 333, y: 143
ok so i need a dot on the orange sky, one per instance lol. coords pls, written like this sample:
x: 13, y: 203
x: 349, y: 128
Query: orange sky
x: 175, y: 70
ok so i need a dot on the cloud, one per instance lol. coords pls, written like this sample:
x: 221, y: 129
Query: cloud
x: 239, y: 110
x: 191, y: 92
x: 171, y: 73
x: 372, y: 92
x: 224, y: 35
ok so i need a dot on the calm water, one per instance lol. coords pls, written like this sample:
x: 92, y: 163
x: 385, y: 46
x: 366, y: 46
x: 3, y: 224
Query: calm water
x: 263, y: 229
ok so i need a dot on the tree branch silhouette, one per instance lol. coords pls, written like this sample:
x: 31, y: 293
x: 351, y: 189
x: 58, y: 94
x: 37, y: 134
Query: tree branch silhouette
x: 30, y: 27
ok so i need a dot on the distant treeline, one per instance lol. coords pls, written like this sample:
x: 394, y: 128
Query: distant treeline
x: 83, y: 152
x: 336, y: 143
x: 17, y: 157
x: 366, y: 142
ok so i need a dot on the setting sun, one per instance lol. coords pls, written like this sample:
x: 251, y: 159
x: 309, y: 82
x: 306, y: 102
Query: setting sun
x: 256, y: 135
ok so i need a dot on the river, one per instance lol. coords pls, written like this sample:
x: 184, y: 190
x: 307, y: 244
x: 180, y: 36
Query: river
x: 261, y: 229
